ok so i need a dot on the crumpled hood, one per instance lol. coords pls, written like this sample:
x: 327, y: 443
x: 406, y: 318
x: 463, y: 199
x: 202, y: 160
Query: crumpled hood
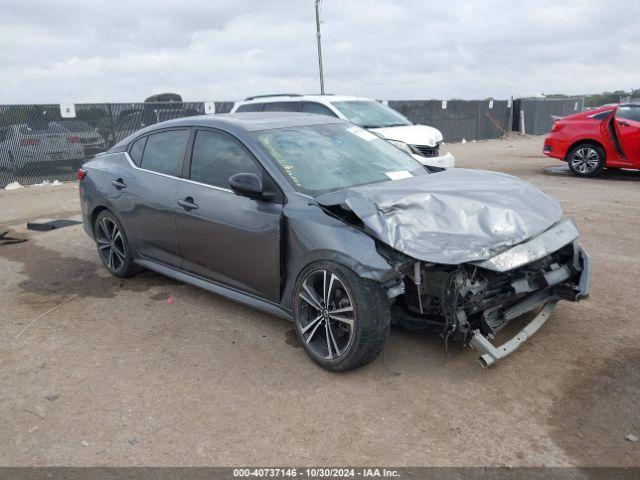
x: 411, y: 134
x: 450, y: 217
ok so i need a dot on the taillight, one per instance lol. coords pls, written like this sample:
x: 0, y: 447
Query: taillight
x: 73, y: 139
x: 81, y: 174
x: 557, y: 126
x: 29, y: 141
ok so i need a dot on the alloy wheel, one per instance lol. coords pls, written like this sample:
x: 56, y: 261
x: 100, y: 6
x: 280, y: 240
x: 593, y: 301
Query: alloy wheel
x: 585, y: 160
x: 326, y: 315
x: 111, y: 244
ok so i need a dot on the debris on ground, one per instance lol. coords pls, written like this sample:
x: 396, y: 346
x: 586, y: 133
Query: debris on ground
x: 464, y: 140
x: 47, y: 183
x: 13, y: 186
x: 84, y: 443
x: 631, y: 438
x: 52, y: 225
x: 6, y: 240
x: 52, y: 397
x: 133, y: 441
x: 170, y: 300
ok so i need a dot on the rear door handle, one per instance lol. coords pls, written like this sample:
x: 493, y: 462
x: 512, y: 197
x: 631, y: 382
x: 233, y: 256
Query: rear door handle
x: 188, y: 204
x: 119, y: 184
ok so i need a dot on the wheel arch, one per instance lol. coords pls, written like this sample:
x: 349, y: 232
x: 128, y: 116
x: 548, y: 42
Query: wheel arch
x: 340, y: 258
x: 101, y: 208
x: 586, y: 141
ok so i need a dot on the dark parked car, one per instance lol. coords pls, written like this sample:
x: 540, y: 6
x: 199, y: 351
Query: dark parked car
x: 318, y: 221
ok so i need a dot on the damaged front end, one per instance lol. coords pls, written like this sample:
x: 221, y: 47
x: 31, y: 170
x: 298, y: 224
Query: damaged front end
x: 471, y: 303
x: 470, y: 275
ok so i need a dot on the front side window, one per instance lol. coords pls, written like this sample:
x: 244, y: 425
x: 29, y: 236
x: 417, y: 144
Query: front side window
x: 318, y: 108
x: 216, y: 157
x: 370, y: 114
x: 319, y: 159
x: 164, y: 152
x: 629, y: 112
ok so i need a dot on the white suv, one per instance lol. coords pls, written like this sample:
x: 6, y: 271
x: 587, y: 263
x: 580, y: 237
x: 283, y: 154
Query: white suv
x: 421, y: 141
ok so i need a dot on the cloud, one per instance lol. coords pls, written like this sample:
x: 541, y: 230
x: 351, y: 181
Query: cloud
x: 72, y: 51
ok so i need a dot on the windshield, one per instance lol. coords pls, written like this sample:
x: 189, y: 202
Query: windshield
x: 319, y: 159
x: 370, y: 114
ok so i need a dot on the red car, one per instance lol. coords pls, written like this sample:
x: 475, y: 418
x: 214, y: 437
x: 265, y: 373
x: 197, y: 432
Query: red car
x: 590, y: 141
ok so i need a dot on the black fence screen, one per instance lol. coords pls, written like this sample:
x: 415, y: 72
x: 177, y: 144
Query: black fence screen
x: 458, y: 119
x: 539, y: 113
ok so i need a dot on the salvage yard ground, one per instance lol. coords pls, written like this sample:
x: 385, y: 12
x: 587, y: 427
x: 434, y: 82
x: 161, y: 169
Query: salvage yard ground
x: 119, y: 375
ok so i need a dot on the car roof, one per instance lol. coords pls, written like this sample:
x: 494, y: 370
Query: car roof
x: 299, y: 98
x: 250, y: 121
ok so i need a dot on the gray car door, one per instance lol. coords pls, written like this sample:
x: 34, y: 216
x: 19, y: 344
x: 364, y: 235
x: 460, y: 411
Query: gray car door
x: 225, y: 237
x: 145, y: 195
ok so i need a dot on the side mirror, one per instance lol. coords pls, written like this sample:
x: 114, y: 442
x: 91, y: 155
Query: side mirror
x: 246, y: 185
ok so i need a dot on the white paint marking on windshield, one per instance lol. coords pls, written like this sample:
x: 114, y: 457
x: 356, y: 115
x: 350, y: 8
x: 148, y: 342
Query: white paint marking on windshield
x: 398, y: 175
x: 362, y: 133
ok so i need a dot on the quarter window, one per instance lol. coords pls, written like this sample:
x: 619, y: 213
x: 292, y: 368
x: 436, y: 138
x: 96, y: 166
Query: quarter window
x: 164, y: 151
x: 216, y: 157
x: 313, y: 107
x: 250, y: 107
x: 136, y: 150
x: 629, y: 113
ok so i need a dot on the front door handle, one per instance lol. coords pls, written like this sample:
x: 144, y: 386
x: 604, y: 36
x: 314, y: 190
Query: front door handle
x: 188, y: 204
x: 623, y: 123
x: 119, y: 184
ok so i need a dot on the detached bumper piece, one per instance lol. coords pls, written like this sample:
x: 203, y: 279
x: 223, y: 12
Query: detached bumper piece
x: 548, y: 298
x: 491, y: 354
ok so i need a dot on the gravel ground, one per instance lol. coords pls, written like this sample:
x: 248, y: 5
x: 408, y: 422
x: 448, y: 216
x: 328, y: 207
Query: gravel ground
x: 120, y: 376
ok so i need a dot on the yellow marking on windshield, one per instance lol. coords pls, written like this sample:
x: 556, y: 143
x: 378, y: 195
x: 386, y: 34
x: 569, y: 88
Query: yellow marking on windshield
x: 266, y: 141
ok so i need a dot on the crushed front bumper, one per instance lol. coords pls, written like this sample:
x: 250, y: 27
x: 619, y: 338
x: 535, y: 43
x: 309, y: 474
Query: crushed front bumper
x: 548, y: 298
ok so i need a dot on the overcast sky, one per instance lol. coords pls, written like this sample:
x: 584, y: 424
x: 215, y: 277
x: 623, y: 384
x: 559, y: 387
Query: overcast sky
x: 92, y: 50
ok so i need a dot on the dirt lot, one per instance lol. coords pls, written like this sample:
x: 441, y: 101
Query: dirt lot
x: 119, y: 376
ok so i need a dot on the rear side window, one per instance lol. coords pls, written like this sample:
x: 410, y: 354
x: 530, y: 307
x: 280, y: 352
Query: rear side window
x: 250, y: 107
x: 216, y: 157
x: 601, y: 115
x: 629, y: 113
x: 136, y: 150
x: 313, y: 107
x: 282, y: 107
x: 164, y: 151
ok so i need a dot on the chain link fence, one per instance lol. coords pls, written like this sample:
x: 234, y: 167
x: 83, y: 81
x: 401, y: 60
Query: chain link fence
x: 49, y: 142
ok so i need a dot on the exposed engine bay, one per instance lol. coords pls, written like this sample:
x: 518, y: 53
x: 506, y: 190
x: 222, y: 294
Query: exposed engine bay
x: 458, y: 300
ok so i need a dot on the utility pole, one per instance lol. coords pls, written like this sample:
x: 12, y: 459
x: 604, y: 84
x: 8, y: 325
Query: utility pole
x: 319, y: 46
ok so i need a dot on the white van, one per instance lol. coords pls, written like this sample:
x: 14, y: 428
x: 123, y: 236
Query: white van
x: 421, y: 141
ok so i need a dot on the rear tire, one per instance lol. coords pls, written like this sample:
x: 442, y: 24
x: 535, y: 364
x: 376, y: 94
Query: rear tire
x: 355, y: 333
x: 586, y: 160
x: 113, y: 247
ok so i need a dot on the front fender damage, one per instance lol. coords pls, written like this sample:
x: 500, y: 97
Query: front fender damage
x: 466, y: 278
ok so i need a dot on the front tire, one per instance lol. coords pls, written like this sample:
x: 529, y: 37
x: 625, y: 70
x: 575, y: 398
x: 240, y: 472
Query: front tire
x: 342, y: 320
x: 586, y: 160
x: 113, y: 246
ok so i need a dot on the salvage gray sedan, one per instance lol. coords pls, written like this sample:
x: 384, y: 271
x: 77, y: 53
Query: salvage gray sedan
x: 321, y: 222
